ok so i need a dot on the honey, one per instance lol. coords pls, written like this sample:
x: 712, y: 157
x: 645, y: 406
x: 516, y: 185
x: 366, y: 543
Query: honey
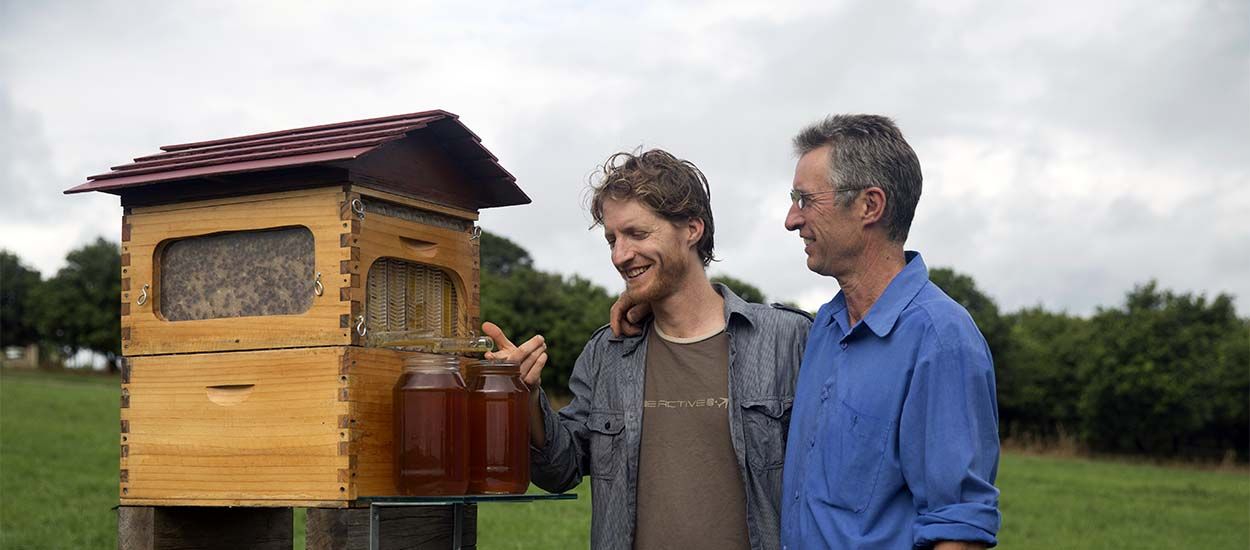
x: 499, y: 460
x: 431, y: 423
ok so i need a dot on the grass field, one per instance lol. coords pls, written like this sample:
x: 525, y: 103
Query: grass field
x: 58, y: 485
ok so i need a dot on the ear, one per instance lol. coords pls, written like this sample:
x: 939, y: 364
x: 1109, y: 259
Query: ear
x: 693, y: 229
x: 872, y: 205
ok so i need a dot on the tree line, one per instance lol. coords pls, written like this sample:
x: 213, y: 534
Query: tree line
x: 1162, y: 373
x: 78, y: 308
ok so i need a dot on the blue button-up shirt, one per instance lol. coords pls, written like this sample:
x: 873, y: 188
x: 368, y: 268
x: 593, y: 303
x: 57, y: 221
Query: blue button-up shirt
x: 894, y: 434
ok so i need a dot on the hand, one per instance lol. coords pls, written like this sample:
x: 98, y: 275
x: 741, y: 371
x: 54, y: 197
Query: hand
x: 627, y: 315
x: 531, y: 355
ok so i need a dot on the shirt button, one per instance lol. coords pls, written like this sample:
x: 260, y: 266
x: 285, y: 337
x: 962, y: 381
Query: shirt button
x: 824, y: 394
x: 796, y: 495
x: 843, y: 344
x: 812, y: 442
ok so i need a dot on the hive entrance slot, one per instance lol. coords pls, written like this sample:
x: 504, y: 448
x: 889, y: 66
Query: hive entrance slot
x: 228, y: 395
x: 424, y: 249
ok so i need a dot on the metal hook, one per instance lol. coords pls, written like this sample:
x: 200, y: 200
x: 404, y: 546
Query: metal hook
x: 359, y: 208
x: 143, y: 295
x: 317, y: 286
x: 475, y: 233
x: 361, y: 329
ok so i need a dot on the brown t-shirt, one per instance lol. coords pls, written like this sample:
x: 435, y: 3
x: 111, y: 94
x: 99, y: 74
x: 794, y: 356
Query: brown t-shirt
x: 690, y: 494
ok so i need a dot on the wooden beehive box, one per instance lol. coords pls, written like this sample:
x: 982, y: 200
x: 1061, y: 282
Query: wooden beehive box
x: 253, y: 270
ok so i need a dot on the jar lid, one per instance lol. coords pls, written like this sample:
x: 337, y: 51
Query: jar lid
x: 496, y: 365
x: 425, y: 361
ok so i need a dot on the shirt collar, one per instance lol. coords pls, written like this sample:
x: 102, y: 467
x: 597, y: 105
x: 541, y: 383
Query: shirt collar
x: 898, y: 294
x: 735, y: 308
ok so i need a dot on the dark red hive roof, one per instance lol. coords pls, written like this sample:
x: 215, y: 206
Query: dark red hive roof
x: 329, y: 144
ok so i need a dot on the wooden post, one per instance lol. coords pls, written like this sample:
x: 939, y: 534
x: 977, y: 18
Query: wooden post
x: 406, y: 528
x: 203, y: 528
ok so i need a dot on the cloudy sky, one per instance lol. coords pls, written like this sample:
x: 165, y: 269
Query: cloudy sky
x: 1070, y: 150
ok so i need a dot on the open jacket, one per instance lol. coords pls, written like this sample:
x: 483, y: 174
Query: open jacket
x: 599, y: 432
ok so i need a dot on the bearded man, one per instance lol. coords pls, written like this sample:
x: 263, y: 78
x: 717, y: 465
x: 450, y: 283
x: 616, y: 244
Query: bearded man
x: 681, y: 428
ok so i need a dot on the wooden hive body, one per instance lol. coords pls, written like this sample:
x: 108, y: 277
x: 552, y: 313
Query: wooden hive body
x: 246, y: 301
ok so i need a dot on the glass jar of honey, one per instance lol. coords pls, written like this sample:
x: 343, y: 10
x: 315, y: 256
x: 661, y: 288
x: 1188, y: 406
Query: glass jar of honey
x: 499, y: 436
x: 431, y: 427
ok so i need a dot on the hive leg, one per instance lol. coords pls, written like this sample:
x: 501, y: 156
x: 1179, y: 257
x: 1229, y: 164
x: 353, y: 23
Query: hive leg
x: 407, y: 528
x: 203, y: 528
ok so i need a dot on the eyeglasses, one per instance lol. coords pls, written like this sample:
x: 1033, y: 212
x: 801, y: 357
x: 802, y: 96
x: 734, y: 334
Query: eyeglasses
x: 802, y: 199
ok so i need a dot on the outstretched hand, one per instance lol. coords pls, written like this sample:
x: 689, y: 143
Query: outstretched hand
x: 532, y: 355
x: 627, y: 315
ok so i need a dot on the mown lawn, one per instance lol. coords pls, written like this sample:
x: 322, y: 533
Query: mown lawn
x: 58, y: 484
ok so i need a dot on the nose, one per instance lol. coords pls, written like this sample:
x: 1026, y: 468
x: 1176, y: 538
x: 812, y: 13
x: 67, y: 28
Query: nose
x: 794, y: 218
x: 622, y: 253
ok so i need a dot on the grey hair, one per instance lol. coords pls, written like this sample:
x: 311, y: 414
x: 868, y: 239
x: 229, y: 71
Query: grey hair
x: 869, y: 151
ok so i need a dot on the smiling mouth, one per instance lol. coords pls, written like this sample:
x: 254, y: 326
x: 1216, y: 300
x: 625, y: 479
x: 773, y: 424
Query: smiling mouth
x: 635, y: 272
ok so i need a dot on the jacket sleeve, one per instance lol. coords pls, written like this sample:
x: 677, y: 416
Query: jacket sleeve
x: 948, y: 441
x: 561, y: 463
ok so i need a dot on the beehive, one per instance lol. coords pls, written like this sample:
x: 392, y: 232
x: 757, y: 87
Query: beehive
x: 253, y: 271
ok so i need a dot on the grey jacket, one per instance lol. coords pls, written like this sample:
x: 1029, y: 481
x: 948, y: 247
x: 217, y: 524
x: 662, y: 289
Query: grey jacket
x: 599, y: 432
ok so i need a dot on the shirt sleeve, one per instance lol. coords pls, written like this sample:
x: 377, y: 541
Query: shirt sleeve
x: 560, y: 464
x: 948, y: 440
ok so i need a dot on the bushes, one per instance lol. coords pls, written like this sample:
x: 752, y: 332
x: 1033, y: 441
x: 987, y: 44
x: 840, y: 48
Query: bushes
x: 524, y: 302
x: 1164, y: 374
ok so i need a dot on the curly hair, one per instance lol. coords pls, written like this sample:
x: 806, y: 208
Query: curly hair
x: 673, y: 188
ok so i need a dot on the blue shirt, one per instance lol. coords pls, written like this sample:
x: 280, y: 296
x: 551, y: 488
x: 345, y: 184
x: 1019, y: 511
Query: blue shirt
x: 894, y: 432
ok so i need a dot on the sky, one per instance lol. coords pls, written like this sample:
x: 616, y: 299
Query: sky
x: 1070, y: 150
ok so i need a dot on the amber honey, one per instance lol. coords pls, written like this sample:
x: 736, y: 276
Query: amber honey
x: 431, y: 424
x: 499, y: 460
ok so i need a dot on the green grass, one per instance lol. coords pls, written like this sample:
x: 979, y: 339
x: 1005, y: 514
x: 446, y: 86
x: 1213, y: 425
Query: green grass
x: 1074, y: 503
x: 58, y: 484
x: 59, y: 445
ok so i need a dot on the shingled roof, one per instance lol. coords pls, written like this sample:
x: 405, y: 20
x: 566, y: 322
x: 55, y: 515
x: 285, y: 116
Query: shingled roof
x: 330, y: 144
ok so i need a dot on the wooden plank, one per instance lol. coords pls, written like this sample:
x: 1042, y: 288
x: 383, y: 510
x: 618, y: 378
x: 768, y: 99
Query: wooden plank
x: 135, y: 528
x: 407, y: 528
x: 281, y: 195
x: 237, y: 426
x: 373, y: 413
x: 315, y: 209
x: 188, y: 528
x: 415, y: 203
x: 254, y: 503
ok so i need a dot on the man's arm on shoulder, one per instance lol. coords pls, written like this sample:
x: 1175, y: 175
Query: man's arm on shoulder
x: 565, y: 457
x: 948, y: 440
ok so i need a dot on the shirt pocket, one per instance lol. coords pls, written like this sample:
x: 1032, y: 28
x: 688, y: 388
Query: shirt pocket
x: 854, y: 452
x: 765, y: 424
x: 605, y: 442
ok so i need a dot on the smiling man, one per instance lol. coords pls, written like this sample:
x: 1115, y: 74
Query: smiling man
x: 681, y: 428
x: 895, y: 432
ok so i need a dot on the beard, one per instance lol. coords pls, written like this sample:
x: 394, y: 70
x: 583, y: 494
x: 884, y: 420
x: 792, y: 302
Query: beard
x: 666, y: 281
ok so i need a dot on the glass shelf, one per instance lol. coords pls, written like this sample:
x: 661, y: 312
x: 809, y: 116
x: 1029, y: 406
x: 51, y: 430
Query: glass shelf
x: 457, y: 503
x: 461, y: 499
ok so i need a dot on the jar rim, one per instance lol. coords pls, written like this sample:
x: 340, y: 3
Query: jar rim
x: 432, y: 361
